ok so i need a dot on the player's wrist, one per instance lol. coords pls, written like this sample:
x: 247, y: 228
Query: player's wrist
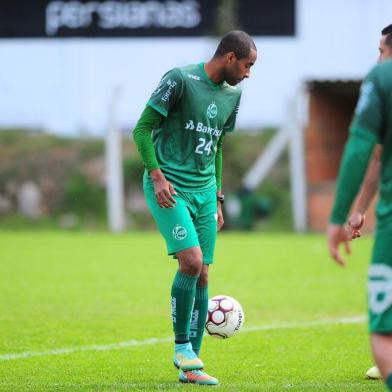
x: 337, y: 220
x: 360, y: 211
x: 157, y: 175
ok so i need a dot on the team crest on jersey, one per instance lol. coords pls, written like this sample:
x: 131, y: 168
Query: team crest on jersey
x: 212, y: 110
x: 179, y: 232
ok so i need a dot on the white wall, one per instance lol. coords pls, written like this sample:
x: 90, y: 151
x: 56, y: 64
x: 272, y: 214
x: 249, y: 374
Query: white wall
x: 65, y: 85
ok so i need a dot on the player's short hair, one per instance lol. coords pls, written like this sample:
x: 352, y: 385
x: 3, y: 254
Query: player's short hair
x: 236, y: 41
x: 388, y: 32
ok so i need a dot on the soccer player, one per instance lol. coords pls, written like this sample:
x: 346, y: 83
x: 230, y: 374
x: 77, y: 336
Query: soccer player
x: 179, y: 137
x: 369, y: 186
x: 371, y: 125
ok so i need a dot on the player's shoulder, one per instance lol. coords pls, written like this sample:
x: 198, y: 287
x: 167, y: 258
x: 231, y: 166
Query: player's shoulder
x: 381, y: 70
x: 174, y: 73
x: 190, y: 72
x: 383, y: 66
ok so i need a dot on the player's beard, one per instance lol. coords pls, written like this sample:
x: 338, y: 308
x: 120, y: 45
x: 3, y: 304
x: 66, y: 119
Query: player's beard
x: 231, y: 77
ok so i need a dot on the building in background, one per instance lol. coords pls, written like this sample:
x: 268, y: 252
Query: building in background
x: 64, y: 61
x: 55, y: 76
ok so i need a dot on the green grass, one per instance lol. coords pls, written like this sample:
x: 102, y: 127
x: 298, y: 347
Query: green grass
x: 68, y: 290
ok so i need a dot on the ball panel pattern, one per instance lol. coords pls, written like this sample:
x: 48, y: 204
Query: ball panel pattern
x: 225, y: 317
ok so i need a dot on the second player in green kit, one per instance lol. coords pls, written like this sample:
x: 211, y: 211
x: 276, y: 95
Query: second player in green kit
x: 372, y: 124
x: 180, y: 137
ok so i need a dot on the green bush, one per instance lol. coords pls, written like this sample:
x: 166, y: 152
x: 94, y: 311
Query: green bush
x: 84, y: 197
x: 133, y: 170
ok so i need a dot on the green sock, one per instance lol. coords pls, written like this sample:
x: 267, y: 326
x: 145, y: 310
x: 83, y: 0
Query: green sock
x: 199, y: 316
x: 388, y: 381
x: 182, y: 298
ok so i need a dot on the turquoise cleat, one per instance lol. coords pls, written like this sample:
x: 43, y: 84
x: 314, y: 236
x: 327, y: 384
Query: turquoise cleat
x: 185, y: 359
x: 197, y: 377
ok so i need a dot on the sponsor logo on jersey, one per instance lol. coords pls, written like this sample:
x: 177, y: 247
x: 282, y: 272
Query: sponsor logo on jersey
x: 157, y: 90
x: 212, y: 110
x: 179, y: 232
x: 189, y: 125
x: 195, y: 77
x: 200, y: 127
x: 171, y: 84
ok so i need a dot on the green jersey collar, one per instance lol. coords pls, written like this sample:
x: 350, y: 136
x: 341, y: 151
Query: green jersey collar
x: 209, y: 81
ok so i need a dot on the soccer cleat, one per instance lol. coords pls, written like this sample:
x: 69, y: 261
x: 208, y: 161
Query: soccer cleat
x: 197, y: 377
x: 185, y: 358
x: 373, y: 373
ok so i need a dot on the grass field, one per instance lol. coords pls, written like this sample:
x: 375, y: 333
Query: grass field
x: 90, y: 312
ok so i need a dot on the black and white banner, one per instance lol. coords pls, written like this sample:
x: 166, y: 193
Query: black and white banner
x: 135, y: 18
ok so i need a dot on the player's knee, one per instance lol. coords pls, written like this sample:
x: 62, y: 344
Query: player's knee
x: 191, y: 261
x: 191, y: 267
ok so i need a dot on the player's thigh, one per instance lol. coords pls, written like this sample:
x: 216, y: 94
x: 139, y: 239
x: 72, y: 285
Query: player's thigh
x: 380, y: 283
x: 175, y: 224
x: 207, y: 226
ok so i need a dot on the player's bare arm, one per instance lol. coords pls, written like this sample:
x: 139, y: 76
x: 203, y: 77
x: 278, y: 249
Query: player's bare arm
x: 367, y: 194
x: 220, y: 212
x: 355, y: 161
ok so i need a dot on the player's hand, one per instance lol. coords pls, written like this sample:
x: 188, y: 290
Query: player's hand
x: 336, y: 235
x: 355, y: 223
x: 164, y: 190
x: 220, y: 216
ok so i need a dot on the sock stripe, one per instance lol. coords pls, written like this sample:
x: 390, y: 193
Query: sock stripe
x: 202, y: 293
x: 185, y: 282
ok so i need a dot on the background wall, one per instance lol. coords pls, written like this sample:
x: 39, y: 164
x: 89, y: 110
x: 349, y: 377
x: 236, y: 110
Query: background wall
x: 65, y: 86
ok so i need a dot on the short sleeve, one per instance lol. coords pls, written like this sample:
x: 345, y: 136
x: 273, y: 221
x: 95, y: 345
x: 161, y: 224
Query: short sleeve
x: 168, y: 92
x: 230, y: 123
x: 368, y: 118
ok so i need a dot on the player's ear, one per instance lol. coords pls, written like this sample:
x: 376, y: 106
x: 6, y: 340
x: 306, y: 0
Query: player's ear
x: 230, y: 57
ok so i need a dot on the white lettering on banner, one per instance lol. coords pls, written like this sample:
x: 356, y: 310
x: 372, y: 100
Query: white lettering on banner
x: 119, y: 14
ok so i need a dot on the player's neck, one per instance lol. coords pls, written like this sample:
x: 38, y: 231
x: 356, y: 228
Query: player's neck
x: 214, y: 71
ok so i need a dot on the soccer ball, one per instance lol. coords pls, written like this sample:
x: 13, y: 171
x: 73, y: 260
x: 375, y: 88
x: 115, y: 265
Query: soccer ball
x: 225, y: 317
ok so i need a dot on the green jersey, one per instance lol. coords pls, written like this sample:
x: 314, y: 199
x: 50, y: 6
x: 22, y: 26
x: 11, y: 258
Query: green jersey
x: 372, y: 123
x: 373, y: 119
x: 197, y: 113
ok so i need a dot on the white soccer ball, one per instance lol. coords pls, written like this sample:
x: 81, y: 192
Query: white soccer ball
x: 225, y: 317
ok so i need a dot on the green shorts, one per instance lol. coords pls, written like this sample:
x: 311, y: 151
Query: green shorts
x: 380, y: 284
x: 192, y: 222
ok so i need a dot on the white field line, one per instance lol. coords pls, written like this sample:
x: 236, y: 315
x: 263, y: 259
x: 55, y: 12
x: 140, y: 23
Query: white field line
x: 153, y: 341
